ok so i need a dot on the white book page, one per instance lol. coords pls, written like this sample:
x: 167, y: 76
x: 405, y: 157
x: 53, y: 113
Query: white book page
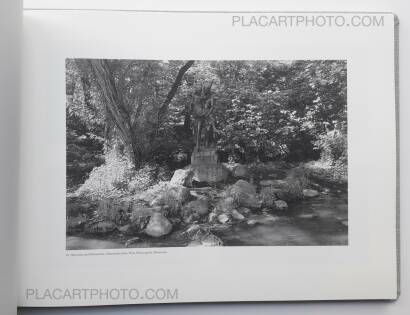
x: 363, y: 269
x: 10, y: 36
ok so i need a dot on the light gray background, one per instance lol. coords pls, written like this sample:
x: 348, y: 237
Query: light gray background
x: 402, y: 306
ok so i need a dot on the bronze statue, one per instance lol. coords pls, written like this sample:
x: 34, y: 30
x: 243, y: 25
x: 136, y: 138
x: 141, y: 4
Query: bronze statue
x: 202, y: 107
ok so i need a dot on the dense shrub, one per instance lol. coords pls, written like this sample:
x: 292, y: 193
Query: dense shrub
x: 110, y: 179
x: 117, y: 177
x: 332, y: 166
x: 171, y: 201
x: 333, y: 146
x: 167, y: 195
x: 147, y: 176
x: 296, y: 180
x: 325, y: 172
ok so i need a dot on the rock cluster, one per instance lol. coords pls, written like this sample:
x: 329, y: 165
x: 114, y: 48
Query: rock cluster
x: 156, y: 211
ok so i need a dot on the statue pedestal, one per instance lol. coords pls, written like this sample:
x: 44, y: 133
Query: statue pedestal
x: 205, y: 156
x: 206, y: 167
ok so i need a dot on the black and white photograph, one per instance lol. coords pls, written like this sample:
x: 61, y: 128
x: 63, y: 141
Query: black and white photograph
x: 182, y: 153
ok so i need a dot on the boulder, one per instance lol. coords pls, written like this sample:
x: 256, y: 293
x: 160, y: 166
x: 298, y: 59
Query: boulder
x: 237, y: 216
x: 180, y: 193
x: 200, y: 206
x: 223, y: 218
x: 251, y: 201
x: 158, y: 225
x: 281, y: 205
x: 240, y: 171
x: 159, y: 193
x: 310, y: 193
x: 182, y: 177
x: 268, y: 196
x: 244, y: 194
x: 100, y: 227
x: 226, y: 204
x: 171, y: 195
x: 245, y: 187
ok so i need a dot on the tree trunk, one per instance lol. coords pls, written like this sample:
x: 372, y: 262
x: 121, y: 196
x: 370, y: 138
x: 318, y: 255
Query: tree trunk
x: 119, y: 113
x: 114, y: 105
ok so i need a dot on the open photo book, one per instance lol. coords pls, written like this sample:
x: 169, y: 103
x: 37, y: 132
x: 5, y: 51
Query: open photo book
x: 180, y: 156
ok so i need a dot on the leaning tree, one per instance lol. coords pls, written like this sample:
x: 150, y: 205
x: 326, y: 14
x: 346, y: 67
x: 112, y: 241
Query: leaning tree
x: 136, y: 96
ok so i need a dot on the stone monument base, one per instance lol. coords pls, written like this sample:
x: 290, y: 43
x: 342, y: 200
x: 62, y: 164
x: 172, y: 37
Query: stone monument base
x: 204, y: 156
x: 210, y: 173
x: 206, y: 168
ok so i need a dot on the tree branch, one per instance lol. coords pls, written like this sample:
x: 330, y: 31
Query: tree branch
x: 178, y: 79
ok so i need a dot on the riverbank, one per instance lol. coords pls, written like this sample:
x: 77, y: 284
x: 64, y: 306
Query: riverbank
x: 275, y: 205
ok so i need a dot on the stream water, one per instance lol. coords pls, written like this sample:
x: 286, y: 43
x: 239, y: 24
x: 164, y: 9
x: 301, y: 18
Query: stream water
x: 316, y: 221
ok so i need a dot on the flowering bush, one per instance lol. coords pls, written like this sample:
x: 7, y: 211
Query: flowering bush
x: 117, y: 177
